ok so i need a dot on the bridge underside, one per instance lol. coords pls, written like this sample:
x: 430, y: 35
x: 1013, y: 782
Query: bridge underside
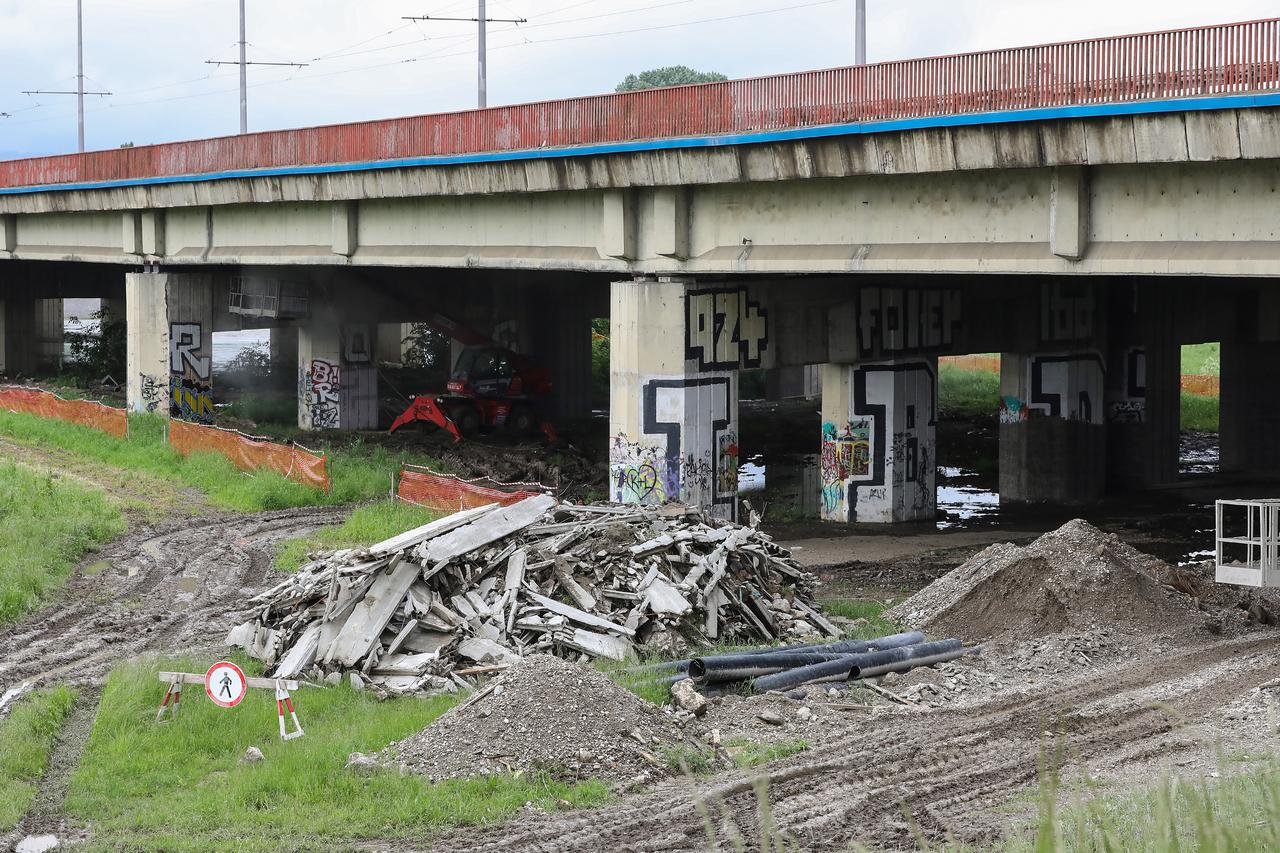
x: 1084, y: 251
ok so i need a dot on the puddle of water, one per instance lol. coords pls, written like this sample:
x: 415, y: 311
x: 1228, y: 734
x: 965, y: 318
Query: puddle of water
x: 751, y: 475
x: 1198, y: 453
x: 962, y: 500
x: 97, y: 568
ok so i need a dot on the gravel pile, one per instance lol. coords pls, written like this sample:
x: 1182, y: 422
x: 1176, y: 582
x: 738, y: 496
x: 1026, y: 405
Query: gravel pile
x: 1075, y: 578
x: 550, y: 715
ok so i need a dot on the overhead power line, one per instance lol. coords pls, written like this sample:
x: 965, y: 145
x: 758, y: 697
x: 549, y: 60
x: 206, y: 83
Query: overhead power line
x: 244, y: 72
x: 79, y: 91
x: 482, y: 64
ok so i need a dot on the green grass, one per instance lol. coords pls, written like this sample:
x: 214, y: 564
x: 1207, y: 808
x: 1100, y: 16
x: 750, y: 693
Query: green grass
x: 358, y: 471
x: 366, y: 526
x: 182, y: 786
x: 967, y: 393
x: 1239, y: 814
x: 46, y: 526
x: 748, y: 753
x: 1199, y: 413
x: 26, y: 738
x: 870, y: 610
x: 261, y: 409
x: 1201, y: 359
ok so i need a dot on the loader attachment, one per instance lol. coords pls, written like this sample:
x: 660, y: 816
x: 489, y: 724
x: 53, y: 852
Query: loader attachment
x: 429, y: 410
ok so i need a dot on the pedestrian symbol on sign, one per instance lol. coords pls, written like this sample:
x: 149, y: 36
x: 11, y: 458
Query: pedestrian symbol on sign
x: 225, y: 684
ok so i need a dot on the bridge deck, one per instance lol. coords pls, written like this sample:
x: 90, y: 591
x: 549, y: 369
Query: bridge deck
x: 1227, y: 59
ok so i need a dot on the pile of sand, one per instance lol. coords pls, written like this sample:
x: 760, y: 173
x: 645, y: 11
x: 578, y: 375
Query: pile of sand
x: 1074, y: 578
x: 549, y: 715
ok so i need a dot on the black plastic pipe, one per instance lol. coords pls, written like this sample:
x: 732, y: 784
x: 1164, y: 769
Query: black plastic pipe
x: 741, y: 665
x: 851, y: 664
x: 912, y: 663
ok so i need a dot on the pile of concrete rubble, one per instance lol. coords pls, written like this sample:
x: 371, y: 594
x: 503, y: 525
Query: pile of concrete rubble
x: 470, y: 594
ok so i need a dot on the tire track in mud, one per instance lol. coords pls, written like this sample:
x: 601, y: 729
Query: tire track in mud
x: 946, y: 766
x: 169, y: 588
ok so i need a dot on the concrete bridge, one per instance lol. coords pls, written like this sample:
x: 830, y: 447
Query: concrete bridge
x: 1082, y: 208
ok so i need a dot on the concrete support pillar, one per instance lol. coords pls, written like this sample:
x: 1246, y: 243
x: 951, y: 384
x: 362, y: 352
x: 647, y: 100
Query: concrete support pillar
x: 879, y: 427
x: 337, y: 376
x: 284, y: 356
x: 170, y: 344
x: 1249, y: 407
x: 673, y: 398
x: 1052, y: 432
x: 1142, y: 389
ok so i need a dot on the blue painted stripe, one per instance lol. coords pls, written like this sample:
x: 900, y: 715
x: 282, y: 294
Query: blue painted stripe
x: 1224, y: 102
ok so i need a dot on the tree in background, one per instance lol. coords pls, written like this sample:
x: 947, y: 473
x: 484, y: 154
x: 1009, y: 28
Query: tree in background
x: 672, y: 75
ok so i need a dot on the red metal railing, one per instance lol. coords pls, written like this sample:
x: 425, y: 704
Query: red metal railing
x: 1222, y: 59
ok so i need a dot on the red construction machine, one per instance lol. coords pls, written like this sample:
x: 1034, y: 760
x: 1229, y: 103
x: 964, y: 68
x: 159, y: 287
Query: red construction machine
x: 490, y: 387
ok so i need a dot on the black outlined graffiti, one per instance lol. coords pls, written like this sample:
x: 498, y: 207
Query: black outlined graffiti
x: 724, y: 330
x: 1040, y: 396
x: 907, y: 320
x: 190, y: 374
x: 671, y: 431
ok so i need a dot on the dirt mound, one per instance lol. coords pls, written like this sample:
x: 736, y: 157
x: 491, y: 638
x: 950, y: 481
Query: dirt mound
x: 1075, y: 577
x: 550, y: 715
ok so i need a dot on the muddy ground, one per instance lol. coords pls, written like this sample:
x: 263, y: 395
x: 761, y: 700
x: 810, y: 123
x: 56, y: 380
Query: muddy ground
x: 965, y: 762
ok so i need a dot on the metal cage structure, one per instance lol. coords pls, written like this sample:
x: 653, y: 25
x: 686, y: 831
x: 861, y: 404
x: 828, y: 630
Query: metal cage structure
x: 273, y: 298
x: 1247, y: 542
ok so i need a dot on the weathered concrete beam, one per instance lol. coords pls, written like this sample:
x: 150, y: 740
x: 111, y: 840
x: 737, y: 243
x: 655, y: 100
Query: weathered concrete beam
x: 671, y: 222
x: 345, y: 233
x: 618, y: 225
x: 1069, y: 212
x: 1168, y: 137
x: 8, y: 232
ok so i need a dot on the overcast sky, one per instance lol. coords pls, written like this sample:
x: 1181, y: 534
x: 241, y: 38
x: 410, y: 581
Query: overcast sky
x: 365, y: 62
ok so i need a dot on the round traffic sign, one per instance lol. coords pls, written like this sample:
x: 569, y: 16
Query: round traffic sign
x: 225, y: 684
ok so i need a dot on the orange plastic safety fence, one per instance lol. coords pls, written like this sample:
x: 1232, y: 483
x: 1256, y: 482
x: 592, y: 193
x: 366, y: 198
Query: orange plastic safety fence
x: 980, y: 363
x: 1204, y: 386
x: 450, y: 494
x: 251, y: 454
x: 84, y: 412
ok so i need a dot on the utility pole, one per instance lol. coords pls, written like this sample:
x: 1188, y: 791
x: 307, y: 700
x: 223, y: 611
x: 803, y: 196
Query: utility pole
x: 244, y: 64
x: 79, y: 90
x: 80, y: 73
x: 482, y: 69
x: 860, y: 33
x: 245, y: 76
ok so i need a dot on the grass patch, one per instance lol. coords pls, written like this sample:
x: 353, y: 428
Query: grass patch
x: 690, y: 759
x: 26, y: 739
x: 181, y: 786
x: 1240, y: 813
x: 1199, y: 413
x: 46, y: 526
x: 972, y: 394
x: 368, y: 525
x: 1202, y: 359
x: 748, y: 753
x: 358, y: 471
x: 869, y: 610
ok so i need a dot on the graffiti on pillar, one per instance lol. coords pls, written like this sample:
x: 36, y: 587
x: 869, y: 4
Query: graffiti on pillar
x: 190, y: 373
x: 879, y: 466
x: 322, y: 386
x: 1130, y: 406
x: 724, y: 329
x: 638, y: 473
x: 688, y: 449
x: 149, y: 390
x: 907, y: 320
x: 1067, y: 386
x: 1066, y: 311
x: 845, y: 458
x: 1013, y: 410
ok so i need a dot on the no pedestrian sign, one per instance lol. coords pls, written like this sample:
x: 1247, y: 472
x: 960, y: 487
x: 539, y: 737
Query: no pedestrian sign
x: 225, y: 684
